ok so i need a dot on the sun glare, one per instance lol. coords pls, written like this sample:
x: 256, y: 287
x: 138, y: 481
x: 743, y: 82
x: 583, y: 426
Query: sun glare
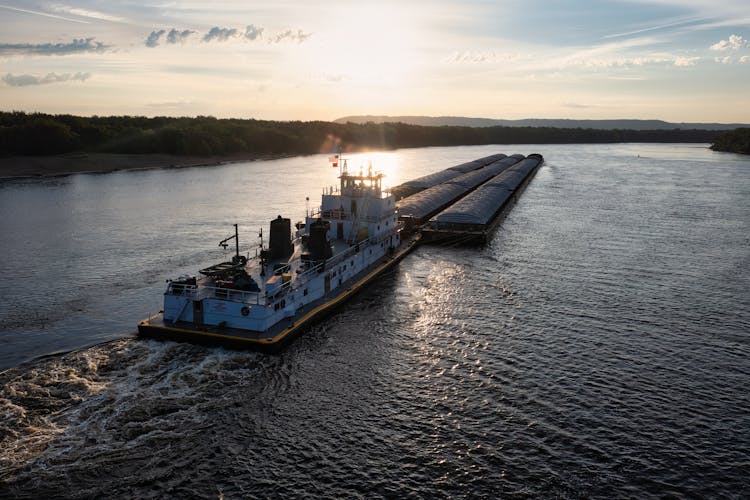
x: 363, y: 43
x: 386, y: 163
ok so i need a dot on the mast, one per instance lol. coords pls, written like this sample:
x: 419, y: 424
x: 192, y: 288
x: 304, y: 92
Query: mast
x: 236, y: 237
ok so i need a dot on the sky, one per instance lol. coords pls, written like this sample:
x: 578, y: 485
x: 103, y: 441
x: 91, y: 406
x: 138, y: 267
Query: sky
x: 674, y: 60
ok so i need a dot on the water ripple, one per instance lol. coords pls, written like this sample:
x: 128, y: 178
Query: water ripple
x: 596, y: 348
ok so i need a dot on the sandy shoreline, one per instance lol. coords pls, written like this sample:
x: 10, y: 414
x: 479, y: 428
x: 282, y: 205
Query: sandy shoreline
x: 48, y: 166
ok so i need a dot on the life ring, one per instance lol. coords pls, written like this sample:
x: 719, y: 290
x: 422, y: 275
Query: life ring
x: 245, y: 311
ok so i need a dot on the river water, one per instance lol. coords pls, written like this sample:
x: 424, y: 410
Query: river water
x: 599, y: 346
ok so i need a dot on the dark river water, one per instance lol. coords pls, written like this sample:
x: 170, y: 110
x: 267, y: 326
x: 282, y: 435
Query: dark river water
x: 599, y: 346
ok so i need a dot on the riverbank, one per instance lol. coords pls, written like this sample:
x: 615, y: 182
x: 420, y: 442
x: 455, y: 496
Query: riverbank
x: 76, y: 163
x: 734, y: 141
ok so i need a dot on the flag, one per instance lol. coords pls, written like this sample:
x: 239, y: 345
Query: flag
x: 334, y: 160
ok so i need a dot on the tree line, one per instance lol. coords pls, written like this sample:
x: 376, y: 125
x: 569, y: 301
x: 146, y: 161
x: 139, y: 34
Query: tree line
x: 44, y: 134
x: 734, y: 141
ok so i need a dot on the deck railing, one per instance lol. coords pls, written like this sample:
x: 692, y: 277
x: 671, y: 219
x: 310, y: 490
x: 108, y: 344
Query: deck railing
x: 193, y: 292
x: 231, y: 294
x: 235, y: 295
x: 182, y: 289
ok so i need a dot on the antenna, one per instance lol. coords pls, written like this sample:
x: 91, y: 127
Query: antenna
x: 236, y: 237
x: 223, y: 243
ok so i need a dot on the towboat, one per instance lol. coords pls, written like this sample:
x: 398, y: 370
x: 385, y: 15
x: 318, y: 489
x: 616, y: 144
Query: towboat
x: 263, y: 302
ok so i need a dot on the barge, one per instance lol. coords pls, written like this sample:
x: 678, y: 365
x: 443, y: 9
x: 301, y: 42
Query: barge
x: 414, y: 186
x: 474, y: 218
x: 416, y: 210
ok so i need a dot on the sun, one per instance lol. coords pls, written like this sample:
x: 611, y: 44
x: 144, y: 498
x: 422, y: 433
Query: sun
x: 385, y: 162
x: 364, y: 44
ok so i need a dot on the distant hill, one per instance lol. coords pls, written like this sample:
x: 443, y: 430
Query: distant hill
x: 437, y: 121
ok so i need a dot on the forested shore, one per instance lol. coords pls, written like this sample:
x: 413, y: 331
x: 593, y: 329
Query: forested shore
x: 734, y: 141
x: 38, y: 134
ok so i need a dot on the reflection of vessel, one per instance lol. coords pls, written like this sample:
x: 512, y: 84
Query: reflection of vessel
x: 263, y: 302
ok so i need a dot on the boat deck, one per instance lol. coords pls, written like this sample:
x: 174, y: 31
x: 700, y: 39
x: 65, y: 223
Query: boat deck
x: 275, y: 338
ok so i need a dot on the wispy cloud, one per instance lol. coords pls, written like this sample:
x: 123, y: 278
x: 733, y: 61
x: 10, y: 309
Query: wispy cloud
x: 686, y: 61
x: 734, y: 42
x: 217, y: 34
x: 484, y: 56
x: 78, y: 45
x: 630, y: 53
x: 299, y: 36
x: 608, y: 54
x: 703, y: 15
x: 26, y: 80
x: 171, y: 104
x: 717, y: 12
x: 43, y: 14
x: 658, y: 27
x: 576, y: 105
x: 91, y: 14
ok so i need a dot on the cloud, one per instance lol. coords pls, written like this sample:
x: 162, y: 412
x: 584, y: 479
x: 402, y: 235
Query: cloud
x: 617, y: 62
x: 153, y: 38
x: 43, y: 14
x: 745, y: 59
x: 708, y: 14
x: 92, y: 14
x: 78, y: 45
x: 220, y: 34
x: 670, y: 24
x: 733, y: 43
x: 217, y: 34
x: 723, y: 60
x: 486, y: 56
x: 576, y: 105
x: 608, y: 55
x: 686, y: 61
x: 299, y: 36
x: 253, y: 32
x: 26, y: 80
x: 175, y: 36
x: 172, y: 104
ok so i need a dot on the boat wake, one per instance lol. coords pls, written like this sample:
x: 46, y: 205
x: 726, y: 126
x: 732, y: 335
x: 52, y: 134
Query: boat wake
x: 65, y: 418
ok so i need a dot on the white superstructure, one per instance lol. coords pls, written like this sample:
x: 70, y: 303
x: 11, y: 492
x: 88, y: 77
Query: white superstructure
x: 354, y: 230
